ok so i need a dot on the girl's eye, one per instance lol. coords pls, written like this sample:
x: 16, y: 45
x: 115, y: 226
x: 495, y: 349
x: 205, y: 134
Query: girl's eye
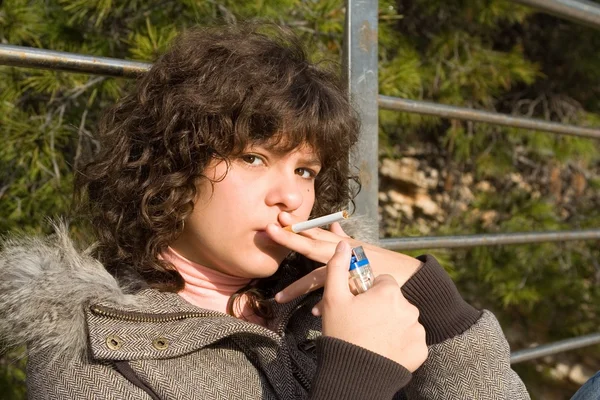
x: 306, y: 173
x: 252, y: 159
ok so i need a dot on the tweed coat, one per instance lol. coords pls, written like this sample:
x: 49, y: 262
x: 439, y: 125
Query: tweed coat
x: 91, y: 337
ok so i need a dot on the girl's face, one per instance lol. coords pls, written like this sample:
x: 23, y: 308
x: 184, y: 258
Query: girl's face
x: 226, y: 230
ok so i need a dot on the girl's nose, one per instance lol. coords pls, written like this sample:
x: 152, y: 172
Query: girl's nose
x: 285, y: 192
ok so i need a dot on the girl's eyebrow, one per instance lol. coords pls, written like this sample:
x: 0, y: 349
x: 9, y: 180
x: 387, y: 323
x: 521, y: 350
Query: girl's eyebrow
x: 312, y: 162
x: 309, y: 160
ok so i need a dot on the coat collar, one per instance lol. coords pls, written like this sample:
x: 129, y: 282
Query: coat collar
x: 164, y: 325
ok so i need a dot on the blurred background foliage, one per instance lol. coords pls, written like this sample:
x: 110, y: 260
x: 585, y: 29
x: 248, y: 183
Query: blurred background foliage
x: 483, y: 54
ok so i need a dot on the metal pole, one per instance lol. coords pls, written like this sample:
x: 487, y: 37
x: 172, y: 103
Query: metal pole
x: 468, y: 114
x: 553, y: 348
x: 580, y: 11
x: 20, y: 56
x: 436, y: 242
x: 360, y: 65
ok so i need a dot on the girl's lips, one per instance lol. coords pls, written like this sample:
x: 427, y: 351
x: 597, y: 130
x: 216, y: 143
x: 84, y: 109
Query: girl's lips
x: 271, y: 223
x: 263, y: 237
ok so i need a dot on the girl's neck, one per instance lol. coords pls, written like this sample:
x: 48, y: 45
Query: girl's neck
x: 210, y: 289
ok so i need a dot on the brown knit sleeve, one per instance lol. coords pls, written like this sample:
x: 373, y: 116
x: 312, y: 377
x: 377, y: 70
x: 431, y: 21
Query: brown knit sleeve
x: 443, y: 312
x: 350, y: 372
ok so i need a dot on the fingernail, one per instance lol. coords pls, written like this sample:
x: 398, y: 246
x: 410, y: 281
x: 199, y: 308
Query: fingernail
x: 316, y: 312
x: 274, y: 227
x: 342, y: 246
x: 279, y: 297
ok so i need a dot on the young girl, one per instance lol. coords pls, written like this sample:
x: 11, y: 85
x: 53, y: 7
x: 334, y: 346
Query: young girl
x: 194, y: 290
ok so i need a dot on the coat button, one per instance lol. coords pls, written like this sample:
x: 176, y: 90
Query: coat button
x: 160, y: 343
x: 114, y: 342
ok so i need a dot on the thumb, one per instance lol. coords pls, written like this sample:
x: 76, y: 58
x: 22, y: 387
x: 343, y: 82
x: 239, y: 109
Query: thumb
x: 336, y: 281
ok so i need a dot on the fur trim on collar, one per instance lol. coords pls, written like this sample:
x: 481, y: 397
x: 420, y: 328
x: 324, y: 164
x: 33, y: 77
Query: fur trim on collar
x: 44, y: 284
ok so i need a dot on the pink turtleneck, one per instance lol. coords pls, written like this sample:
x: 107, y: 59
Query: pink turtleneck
x: 210, y: 289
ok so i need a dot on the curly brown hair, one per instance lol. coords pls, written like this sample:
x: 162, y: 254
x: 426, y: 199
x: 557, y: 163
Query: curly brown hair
x: 215, y: 91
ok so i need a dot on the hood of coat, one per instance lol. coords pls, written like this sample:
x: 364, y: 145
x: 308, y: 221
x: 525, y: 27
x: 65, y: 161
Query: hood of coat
x: 44, y: 284
x: 54, y: 296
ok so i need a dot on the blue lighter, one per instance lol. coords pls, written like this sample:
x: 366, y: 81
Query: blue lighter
x: 360, y: 270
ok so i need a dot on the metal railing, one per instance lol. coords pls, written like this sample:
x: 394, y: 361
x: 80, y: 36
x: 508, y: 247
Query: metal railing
x: 579, y: 11
x: 28, y: 57
x: 553, y: 348
x: 463, y: 241
x: 360, y: 61
x: 469, y: 114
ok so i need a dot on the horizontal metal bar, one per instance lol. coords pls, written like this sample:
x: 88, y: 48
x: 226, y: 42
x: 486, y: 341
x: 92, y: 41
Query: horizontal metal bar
x: 435, y: 242
x: 20, y: 56
x: 580, y: 11
x: 553, y: 348
x: 49, y: 59
x: 468, y: 114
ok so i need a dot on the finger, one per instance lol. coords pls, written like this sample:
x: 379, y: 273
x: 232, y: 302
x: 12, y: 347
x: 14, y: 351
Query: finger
x: 336, y: 280
x: 326, y: 236
x: 317, y: 309
x: 385, y: 282
x: 308, y: 283
x: 317, y: 250
x: 337, y: 229
x: 386, y: 279
x: 386, y: 285
x: 353, y: 288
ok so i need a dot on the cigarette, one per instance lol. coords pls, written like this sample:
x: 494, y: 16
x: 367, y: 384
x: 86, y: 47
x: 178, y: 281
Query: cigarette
x: 315, y: 223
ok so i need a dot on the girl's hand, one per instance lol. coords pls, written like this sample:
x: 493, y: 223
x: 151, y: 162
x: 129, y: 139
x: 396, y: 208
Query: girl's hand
x: 319, y: 245
x: 380, y: 320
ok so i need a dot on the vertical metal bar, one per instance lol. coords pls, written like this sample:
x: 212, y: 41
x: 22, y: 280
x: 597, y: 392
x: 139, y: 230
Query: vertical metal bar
x: 360, y: 64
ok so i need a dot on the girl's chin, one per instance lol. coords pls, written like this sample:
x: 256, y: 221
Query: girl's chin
x: 272, y: 256
x: 260, y: 267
